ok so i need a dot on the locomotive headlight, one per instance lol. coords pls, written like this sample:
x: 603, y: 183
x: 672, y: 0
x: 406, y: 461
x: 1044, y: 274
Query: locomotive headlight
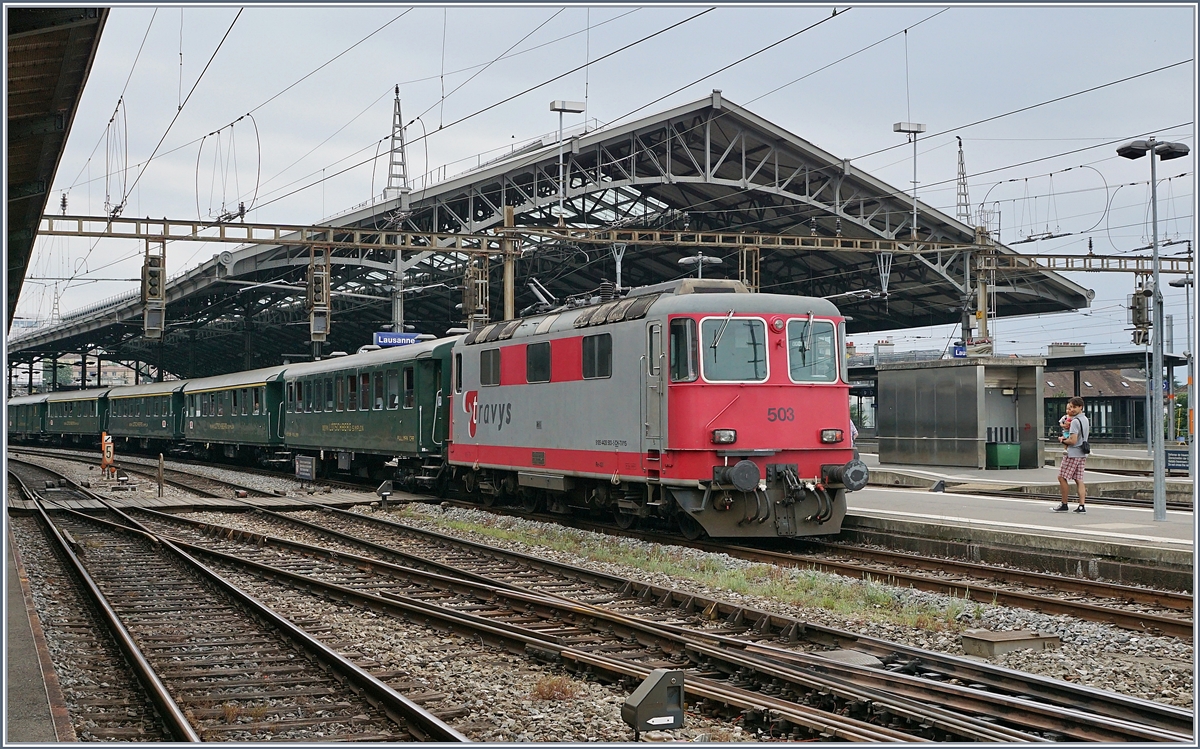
x: 724, y: 436
x: 831, y: 435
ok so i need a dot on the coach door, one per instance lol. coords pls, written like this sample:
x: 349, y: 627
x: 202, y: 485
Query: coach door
x: 652, y: 393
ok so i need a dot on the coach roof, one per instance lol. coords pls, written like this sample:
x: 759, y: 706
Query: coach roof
x: 385, y: 355
x: 148, y: 389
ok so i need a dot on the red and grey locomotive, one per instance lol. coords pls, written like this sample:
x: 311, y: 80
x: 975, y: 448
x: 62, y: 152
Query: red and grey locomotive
x: 693, y: 401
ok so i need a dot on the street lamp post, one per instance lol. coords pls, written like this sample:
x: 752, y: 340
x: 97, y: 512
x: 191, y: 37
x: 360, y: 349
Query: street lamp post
x: 560, y: 106
x: 912, y: 128
x: 699, y: 260
x: 1164, y: 151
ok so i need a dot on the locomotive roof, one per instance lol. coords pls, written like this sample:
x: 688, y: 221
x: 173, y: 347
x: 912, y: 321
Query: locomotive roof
x: 25, y: 400
x: 717, y: 296
x: 234, y: 379
x: 386, y: 355
x: 76, y: 395
x: 149, y: 388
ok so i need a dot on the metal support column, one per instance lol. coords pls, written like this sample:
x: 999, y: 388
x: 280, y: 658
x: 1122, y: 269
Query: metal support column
x: 29, y: 388
x: 398, y: 294
x: 510, y: 267
x: 54, y: 376
x: 83, y: 370
x: 748, y: 268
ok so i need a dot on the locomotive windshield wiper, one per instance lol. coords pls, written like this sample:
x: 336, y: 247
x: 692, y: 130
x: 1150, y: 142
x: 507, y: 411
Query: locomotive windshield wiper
x: 805, y: 344
x: 721, y: 332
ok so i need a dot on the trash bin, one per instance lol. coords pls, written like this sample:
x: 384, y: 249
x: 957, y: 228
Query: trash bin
x: 1003, y: 454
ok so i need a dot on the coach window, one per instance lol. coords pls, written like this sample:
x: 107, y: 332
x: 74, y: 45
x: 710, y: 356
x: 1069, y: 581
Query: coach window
x: 328, y: 393
x: 489, y: 367
x: 393, y: 389
x: 734, y: 349
x: 341, y: 393
x: 364, y: 390
x: 291, y: 397
x: 352, y: 389
x: 597, y: 356
x: 257, y: 401
x: 221, y: 403
x: 812, y: 350
x: 378, y: 391
x: 683, y: 350
x: 458, y: 373
x: 245, y: 401
x: 409, y: 389
x: 237, y: 402
x: 308, y: 396
x: 537, y: 362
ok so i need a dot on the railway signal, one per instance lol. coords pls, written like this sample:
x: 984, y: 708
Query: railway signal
x: 154, y: 289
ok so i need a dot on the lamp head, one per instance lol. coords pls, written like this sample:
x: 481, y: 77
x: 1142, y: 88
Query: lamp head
x: 1168, y: 151
x: 1135, y: 149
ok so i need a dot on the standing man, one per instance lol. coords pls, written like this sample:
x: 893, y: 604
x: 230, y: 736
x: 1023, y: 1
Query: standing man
x: 1072, y: 464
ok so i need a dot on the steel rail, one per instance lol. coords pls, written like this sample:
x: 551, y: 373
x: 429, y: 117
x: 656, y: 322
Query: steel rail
x: 531, y: 640
x: 1163, y: 598
x: 423, y: 724
x: 860, y: 682
x: 172, y: 716
x: 1077, y: 696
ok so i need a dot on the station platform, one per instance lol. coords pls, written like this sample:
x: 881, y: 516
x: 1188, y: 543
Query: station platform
x: 1116, y: 543
x: 35, y: 711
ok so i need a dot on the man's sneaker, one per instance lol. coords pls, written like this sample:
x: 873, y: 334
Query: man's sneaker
x: 1061, y: 508
x: 1080, y: 508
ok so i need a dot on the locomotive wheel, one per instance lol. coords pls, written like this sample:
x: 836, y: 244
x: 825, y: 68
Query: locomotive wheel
x: 488, y: 500
x: 531, y: 501
x: 689, y: 526
x: 624, y: 520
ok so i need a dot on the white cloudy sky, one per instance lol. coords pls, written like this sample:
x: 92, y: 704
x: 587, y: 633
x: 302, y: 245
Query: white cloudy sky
x: 318, y: 81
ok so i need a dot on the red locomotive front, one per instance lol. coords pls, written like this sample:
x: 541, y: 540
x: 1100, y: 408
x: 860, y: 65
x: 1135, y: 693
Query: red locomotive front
x: 693, y: 402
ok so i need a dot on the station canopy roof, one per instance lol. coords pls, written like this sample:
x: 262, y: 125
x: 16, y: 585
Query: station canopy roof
x: 707, y: 166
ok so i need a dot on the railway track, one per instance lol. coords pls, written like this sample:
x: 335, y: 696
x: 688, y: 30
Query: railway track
x: 1137, y: 609
x: 216, y: 664
x: 576, y: 613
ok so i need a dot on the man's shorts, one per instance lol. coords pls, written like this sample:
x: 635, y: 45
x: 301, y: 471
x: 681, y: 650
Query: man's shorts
x: 1072, y: 469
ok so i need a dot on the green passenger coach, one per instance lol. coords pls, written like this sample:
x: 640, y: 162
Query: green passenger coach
x: 79, y: 414
x: 146, y: 413
x: 27, y: 416
x: 240, y: 412
x: 355, y: 413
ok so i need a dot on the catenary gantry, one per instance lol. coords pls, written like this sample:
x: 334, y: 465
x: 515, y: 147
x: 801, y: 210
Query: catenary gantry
x: 704, y: 167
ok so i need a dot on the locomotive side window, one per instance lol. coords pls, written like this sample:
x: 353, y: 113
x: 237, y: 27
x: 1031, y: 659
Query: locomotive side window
x: 812, y: 351
x: 379, y: 391
x: 654, y: 348
x: 597, y: 356
x: 489, y: 367
x: 735, y: 350
x: 537, y: 362
x: 684, y: 367
x: 352, y: 389
x: 410, y: 399
x: 458, y: 373
x: 393, y: 389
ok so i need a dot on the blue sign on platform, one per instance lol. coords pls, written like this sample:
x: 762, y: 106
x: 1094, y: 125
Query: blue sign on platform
x: 395, y: 339
x: 960, y: 352
x: 1177, y: 460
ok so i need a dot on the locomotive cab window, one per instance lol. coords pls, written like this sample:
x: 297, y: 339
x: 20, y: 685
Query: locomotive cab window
x: 734, y: 349
x: 410, y: 399
x: 537, y: 362
x: 489, y: 367
x: 597, y: 356
x: 812, y: 350
x: 684, y: 358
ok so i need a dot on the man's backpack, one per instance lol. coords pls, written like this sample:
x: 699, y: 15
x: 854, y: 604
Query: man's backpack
x: 1085, y: 447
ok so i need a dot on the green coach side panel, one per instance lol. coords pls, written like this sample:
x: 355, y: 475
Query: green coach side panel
x: 151, y: 411
x: 241, y: 408
x: 391, y: 401
x: 77, y: 412
x: 27, y: 415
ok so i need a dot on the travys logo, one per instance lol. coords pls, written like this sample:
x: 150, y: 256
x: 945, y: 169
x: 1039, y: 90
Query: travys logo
x: 470, y: 406
x: 489, y: 413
